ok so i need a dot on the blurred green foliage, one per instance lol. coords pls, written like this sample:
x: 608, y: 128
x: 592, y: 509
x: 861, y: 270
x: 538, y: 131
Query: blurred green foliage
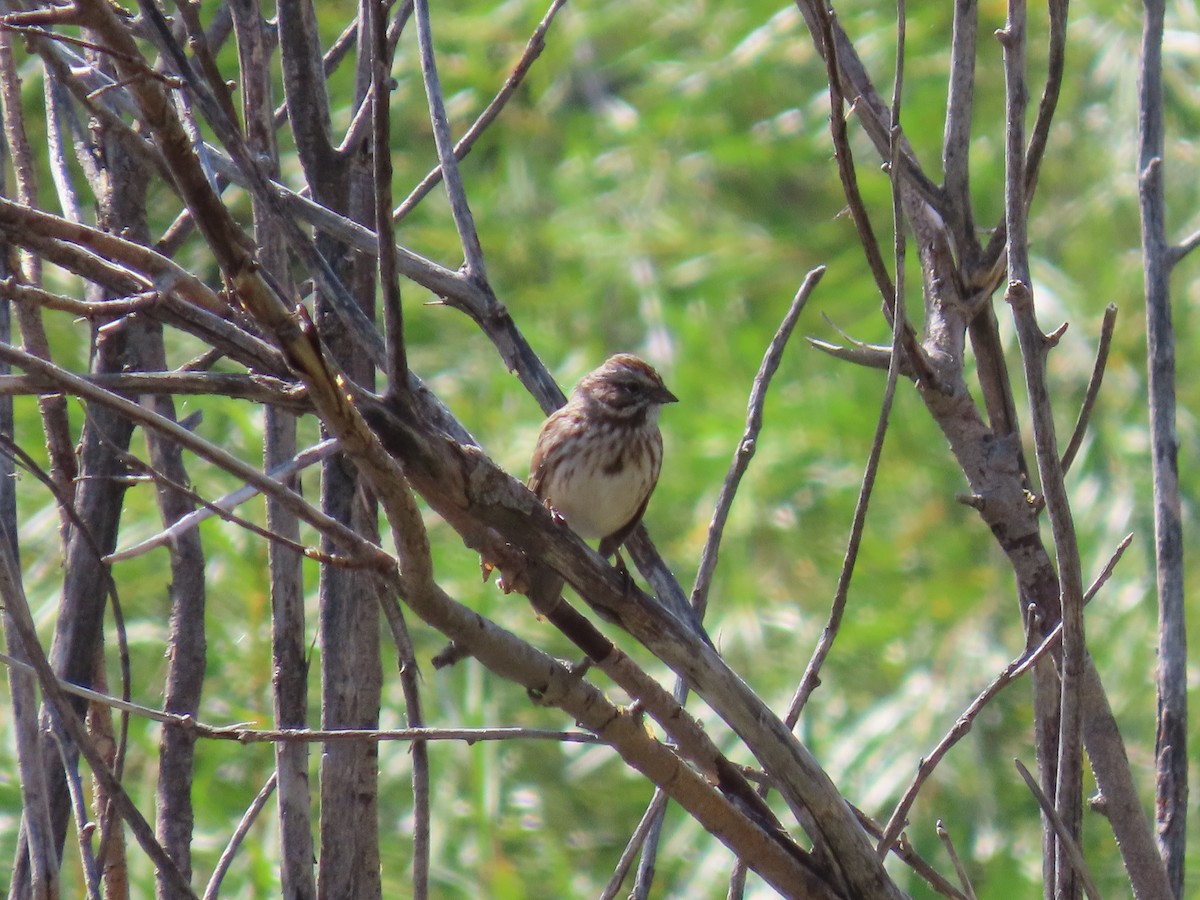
x: 661, y: 183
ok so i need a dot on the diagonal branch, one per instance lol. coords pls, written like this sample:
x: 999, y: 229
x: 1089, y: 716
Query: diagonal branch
x: 1093, y: 388
x: 533, y: 49
x: 447, y: 160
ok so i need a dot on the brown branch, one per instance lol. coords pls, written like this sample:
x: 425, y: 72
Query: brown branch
x: 367, y: 553
x: 243, y: 734
x: 1068, y: 777
x: 943, y: 834
x: 533, y: 49
x: 956, y: 141
x: 1184, y: 247
x: 469, y: 491
x: 749, y: 441
x: 811, y: 677
x: 1056, y: 63
x: 868, y: 106
x: 459, y: 209
x: 1171, y: 679
x: 1093, y: 388
x: 66, y: 718
x: 159, y: 272
x: 255, y: 388
x: 213, y: 890
x: 1073, y: 855
x: 870, y: 356
x: 1011, y: 673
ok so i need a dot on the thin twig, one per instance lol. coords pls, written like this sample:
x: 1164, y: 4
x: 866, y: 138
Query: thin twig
x: 1093, y: 389
x: 870, y: 356
x: 904, y: 852
x: 652, y: 815
x: 257, y: 388
x: 993, y: 259
x: 1184, y: 247
x: 845, y: 162
x: 749, y: 441
x: 239, y: 834
x: 84, y: 828
x: 463, y: 221
x: 956, y: 142
x: 381, y: 170
x: 158, y: 271
x: 1056, y: 63
x: 245, y: 735
x: 533, y: 49
x: 811, y: 677
x: 16, y: 604
x: 1011, y: 673
x: 411, y: 688
x: 1067, y: 842
x: 650, y: 828
x: 944, y: 836
x: 11, y: 289
x: 209, y: 451
x: 140, y: 467
x: 224, y: 505
x: 1066, y: 774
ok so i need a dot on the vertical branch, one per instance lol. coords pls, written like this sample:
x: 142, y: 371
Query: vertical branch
x: 956, y: 142
x: 1056, y: 59
x: 55, y: 423
x: 288, y: 641
x: 351, y: 669
x: 307, y: 100
x: 68, y: 724
x: 1171, y: 782
x: 845, y: 161
x: 397, y: 378
x: 463, y: 220
x: 381, y: 159
x: 38, y: 853
x: 1035, y: 347
x: 186, y: 644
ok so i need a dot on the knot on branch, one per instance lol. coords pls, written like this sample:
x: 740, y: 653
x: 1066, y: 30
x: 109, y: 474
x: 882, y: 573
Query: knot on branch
x: 1018, y: 294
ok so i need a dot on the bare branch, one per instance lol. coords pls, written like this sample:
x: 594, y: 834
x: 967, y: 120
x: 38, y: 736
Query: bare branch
x: 944, y: 835
x: 811, y: 677
x: 1073, y: 855
x: 956, y: 141
x: 463, y: 220
x: 381, y: 170
x: 748, y: 443
x: 18, y: 609
x: 213, y: 891
x: 1186, y: 246
x: 245, y: 735
x: 871, y: 356
x: 1093, y: 388
x: 1067, y: 780
x: 533, y: 49
x: 256, y: 388
x: 1057, y: 53
x: 1171, y: 681
x: 361, y: 549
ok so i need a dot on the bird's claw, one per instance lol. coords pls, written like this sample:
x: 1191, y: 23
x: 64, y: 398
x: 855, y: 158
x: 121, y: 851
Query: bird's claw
x: 513, y: 578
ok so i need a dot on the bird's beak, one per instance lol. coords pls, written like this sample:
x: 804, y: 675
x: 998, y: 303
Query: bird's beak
x: 662, y: 395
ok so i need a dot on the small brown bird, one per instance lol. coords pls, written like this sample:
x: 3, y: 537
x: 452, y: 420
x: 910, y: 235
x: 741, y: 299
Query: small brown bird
x: 597, y: 459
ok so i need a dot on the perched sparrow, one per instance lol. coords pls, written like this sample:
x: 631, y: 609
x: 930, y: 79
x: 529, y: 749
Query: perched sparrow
x: 597, y: 459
